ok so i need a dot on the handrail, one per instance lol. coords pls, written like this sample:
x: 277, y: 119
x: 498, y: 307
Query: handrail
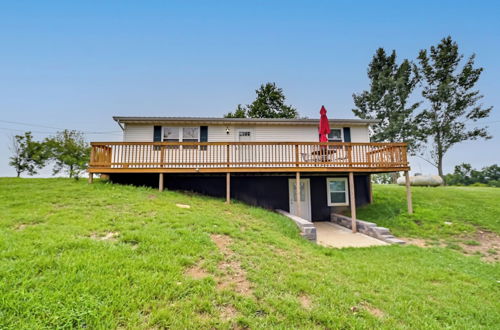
x: 382, y: 144
x: 227, y: 155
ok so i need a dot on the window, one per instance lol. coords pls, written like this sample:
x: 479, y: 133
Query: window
x: 181, y: 134
x: 335, y: 135
x: 190, y: 134
x: 337, y: 191
x: 170, y: 134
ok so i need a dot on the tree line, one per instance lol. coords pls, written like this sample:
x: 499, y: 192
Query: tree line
x: 428, y: 103
x: 437, y: 119
x: 465, y: 175
x: 67, y: 151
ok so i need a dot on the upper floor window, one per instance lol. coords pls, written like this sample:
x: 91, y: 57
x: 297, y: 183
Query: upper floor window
x: 190, y: 134
x: 170, y: 134
x: 181, y: 134
x: 335, y: 135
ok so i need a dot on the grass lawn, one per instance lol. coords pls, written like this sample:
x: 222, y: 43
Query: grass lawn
x: 109, y: 256
x: 439, y: 212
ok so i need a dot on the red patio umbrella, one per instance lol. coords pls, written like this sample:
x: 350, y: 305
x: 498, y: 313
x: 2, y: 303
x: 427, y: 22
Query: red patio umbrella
x: 324, y: 126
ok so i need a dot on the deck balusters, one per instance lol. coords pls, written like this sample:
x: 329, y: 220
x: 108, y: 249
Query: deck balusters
x: 176, y: 155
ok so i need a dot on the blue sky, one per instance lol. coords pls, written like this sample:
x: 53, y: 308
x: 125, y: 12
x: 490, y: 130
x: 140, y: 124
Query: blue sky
x: 69, y: 64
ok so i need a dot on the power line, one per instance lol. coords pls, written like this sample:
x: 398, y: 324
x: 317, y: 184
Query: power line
x: 52, y: 127
x: 26, y: 124
x: 52, y: 132
x: 21, y: 130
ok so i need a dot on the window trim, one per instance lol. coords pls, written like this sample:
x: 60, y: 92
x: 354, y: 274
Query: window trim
x: 346, y: 181
x: 341, y: 134
x: 181, y: 132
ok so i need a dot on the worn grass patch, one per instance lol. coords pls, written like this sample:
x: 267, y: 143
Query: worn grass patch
x: 164, y: 266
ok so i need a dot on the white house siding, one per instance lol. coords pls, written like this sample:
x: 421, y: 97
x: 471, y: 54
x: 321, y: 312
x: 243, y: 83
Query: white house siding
x: 261, y: 133
x: 217, y: 133
x: 360, y: 134
x: 138, y: 133
x: 286, y: 133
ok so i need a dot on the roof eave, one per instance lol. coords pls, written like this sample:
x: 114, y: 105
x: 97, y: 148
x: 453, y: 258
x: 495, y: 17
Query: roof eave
x: 227, y: 121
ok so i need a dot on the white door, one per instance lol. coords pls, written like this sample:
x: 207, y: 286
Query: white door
x: 245, y: 152
x: 244, y: 135
x: 305, y: 198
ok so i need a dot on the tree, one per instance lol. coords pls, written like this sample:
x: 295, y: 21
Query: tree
x: 70, y: 152
x: 382, y: 178
x: 452, y: 99
x: 465, y: 175
x: 391, y: 86
x: 240, y: 112
x: 28, y: 155
x: 270, y: 103
x: 491, y: 173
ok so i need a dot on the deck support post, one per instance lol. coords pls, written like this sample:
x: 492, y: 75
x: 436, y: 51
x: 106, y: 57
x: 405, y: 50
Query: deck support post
x: 160, y: 183
x: 408, y: 192
x: 228, y: 188
x: 297, y: 193
x: 352, y: 202
x: 91, y: 177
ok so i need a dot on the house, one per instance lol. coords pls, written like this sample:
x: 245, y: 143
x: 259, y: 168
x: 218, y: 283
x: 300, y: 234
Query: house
x: 273, y: 163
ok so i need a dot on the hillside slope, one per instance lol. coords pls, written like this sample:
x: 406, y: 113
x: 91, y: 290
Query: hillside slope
x: 108, y: 256
x: 439, y: 212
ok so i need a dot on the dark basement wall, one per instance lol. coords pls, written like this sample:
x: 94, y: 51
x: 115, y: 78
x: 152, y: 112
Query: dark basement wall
x: 268, y: 191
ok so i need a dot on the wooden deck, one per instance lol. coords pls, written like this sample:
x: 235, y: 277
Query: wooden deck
x: 228, y: 157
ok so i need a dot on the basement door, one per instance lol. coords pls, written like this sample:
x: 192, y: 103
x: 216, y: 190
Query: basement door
x: 305, y: 198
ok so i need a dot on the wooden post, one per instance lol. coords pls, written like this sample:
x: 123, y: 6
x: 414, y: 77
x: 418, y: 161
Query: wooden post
x: 91, y: 177
x: 408, y: 192
x: 160, y: 185
x: 228, y: 188
x: 297, y: 193
x: 352, y: 202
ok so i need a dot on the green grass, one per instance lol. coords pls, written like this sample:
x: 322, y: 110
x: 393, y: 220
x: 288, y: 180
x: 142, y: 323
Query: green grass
x: 438, y: 212
x: 53, y: 274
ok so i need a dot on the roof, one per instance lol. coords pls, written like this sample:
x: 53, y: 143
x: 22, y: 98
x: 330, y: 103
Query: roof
x: 241, y: 121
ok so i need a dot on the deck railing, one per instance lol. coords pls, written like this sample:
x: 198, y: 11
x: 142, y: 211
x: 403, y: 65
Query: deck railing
x: 240, y: 155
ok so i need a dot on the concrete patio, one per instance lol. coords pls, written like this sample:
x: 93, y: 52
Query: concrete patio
x: 333, y: 235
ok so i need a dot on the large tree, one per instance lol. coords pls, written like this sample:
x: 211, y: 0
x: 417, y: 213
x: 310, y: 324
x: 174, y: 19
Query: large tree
x: 388, y: 100
x: 452, y: 99
x: 70, y: 152
x: 269, y: 103
x: 27, y: 155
